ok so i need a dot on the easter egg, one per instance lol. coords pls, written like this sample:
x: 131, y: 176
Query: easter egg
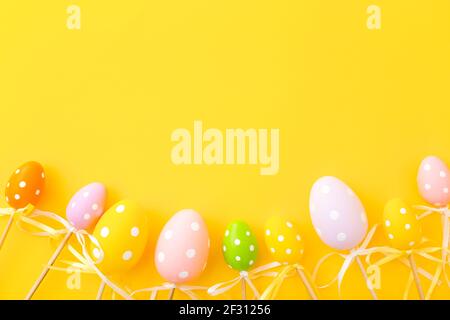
x: 283, y: 240
x: 183, y: 247
x: 433, y: 181
x: 239, y: 246
x: 86, y: 206
x: 401, y: 225
x: 337, y: 214
x: 25, y: 186
x: 122, y: 233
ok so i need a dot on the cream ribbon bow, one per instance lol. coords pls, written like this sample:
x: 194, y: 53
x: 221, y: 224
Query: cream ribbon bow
x: 188, y: 290
x: 247, y: 276
x: 393, y: 254
x: 272, y: 290
x: 348, y: 260
x: 445, y: 216
x: 85, y: 263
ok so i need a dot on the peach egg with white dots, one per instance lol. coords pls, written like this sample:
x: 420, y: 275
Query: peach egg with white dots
x: 283, y: 240
x: 337, y: 213
x: 122, y: 234
x: 183, y: 246
x: 25, y: 186
x: 433, y: 180
x: 401, y: 225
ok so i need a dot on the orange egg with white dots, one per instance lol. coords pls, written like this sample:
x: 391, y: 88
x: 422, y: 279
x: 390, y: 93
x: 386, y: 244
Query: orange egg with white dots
x: 401, y: 225
x: 283, y: 240
x: 25, y: 186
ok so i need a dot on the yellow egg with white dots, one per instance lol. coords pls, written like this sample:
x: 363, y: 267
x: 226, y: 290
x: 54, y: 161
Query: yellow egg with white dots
x: 122, y: 233
x: 401, y: 225
x: 283, y: 240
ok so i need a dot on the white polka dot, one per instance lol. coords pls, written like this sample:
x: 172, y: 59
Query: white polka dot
x: 161, y: 257
x: 195, y: 226
x: 96, y: 252
x: 334, y: 215
x: 288, y: 251
x: 445, y: 190
x: 390, y: 236
x: 427, y: 186
x: 17, y: 171
x: 289, y: 224
x: 191, y: 253
x: 22, y: 184
x: 17, y: 196
x: 86, y: 216
x: 387, y: 223
x: 86, y: 194
x: 120, y: 208
x: 38, y: 192
x: 134, y: 231
x: 183, y: 274
x: 442, y: 174
x: 104, y: 232
x: 238, y: 258
x: 403, y: 210
x: 251, y: 262
x: 95, y: 206
x: 326, y: 189
x: 227, y: 233
x: 427, y: 167
x: 341, y: 236
x: 267, y: 232
x: 247, y: 233
x: 272, y: 250
x: 168, y: 234
x: 407, y: 226
x: 224, y: 248
x: 252, y: 248
x: 298, y: 237
x: 280, y: 238
x: 412, y: 243
x: 74, y: 204
x: 127, y: 255
x: 43, y: 175
x: 237, y: 242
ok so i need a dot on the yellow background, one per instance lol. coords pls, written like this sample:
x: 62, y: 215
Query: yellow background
x: 100, y: 103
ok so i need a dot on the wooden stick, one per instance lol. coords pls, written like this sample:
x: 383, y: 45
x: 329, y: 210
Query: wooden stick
x: 366, y: 278
x: 307, y: 284
x: 101, y: 289
x: 6, y: 231
x: 244, y: 289
x: 49, y: 264
x: 416, y: 277
x: 171, y: 293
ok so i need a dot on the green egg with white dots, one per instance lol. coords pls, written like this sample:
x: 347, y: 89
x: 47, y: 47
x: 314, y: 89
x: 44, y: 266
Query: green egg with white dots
x: 239, y: 246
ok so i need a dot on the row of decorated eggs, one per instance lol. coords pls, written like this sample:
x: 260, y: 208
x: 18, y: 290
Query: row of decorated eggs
x: 182, y: 250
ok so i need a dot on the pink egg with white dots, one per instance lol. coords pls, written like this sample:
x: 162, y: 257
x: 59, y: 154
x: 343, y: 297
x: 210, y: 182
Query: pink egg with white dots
x: 337, y: 214
x: 87, y: 206
x: 183, y: 247
x: 433, y: 181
